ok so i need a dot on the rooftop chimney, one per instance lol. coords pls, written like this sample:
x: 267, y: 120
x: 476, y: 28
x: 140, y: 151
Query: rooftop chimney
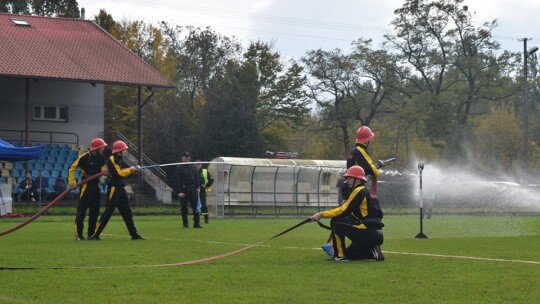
x: 83, y: 17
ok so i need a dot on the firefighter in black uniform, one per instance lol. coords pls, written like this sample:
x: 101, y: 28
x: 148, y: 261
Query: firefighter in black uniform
x: 359, y: 157
x: 116, y: 194
x: 206, y: 182
x: 358, y: 219
x: 188, y: 187
x: 90, y: 163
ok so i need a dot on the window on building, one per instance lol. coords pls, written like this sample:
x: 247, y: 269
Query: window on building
x: 51, y: 113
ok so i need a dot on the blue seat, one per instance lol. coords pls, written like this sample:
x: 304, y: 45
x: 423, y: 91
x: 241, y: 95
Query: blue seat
x: 51, y: 159
x: 61, y: 159
x: 48, y: 167
x: 64, y: 174
x: 58, y: 167
x: 16, y: 173
x: 70, y: 159
x: 52, y: 181
x: 64, y: 153
x: 35, y: 173
x: 2, y: 180
x: 54, y: 153
x: 55, y: 173
x: 18, y: 166
x: 66, y: 166
x: 46, y: 173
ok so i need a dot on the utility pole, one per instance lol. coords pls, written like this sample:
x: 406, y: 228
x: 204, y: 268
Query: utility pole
x: 525, y: 106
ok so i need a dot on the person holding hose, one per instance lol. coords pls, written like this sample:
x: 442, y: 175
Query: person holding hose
x: 116, y: 194
x: 359, y: 156
x: 90, y: 163
x: 359, y: 219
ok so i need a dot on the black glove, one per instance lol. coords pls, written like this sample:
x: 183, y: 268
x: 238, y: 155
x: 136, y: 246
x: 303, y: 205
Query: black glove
x: 380, y: 164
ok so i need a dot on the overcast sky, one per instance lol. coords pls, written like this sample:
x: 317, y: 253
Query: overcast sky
x: 297, y: 26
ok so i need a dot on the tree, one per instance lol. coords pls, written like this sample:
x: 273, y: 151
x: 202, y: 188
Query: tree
x: 56, y: 8
x: 15, y: 6
x: 454, y: 66
x: 281, y: 96
x: 231, y: 125
x: 497, y: 140
x: 49, y: 8
x: 330, y: 85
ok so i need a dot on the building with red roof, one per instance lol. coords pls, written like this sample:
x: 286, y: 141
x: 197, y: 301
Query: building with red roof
x: 52, y: 77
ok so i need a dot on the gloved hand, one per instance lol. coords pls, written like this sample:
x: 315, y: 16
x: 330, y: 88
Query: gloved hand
x: 380, y: 164
x: 135, y: 168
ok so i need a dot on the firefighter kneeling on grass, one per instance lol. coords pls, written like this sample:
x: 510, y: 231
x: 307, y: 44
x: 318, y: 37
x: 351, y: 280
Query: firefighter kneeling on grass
x: 359, y: 219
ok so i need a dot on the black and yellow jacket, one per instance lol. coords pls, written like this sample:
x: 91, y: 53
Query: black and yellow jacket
x: 90, y: 164
x: 118, y: 170
x: 361, y: 210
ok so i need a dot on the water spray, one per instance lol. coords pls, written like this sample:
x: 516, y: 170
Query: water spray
x: 421, y: 235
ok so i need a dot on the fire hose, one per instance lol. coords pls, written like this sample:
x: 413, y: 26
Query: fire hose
x: 52, y: 203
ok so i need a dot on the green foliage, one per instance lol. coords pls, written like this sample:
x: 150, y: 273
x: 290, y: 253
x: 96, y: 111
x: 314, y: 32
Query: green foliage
x: 498, y: 139
x: 231, y: 125
x: 49, y: 8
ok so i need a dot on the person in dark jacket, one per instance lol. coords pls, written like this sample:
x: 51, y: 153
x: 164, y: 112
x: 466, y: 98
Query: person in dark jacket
x: 359, y: 219
x: 206, y: 182
x: 116, y: 194
x: 188, y: 188
x: 90, y: 163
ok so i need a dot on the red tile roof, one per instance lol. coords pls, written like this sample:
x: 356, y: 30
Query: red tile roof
x: 70, y: 49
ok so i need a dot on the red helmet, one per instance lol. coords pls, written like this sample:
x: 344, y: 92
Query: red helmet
x: 97, y: 143
x: 364, y: 135
x: 119, y: 146
x: 356, y: 172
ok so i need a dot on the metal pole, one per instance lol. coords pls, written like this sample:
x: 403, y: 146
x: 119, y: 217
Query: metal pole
x: 421, y: 235
x: 525, y: 110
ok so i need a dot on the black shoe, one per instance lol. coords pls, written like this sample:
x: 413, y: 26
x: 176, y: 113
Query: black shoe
x: 94, y: 238
x: 80, y: 238
x: 377, y: 253
x: 137, y: 237
x: 186, y: 226
x: 198, y: 226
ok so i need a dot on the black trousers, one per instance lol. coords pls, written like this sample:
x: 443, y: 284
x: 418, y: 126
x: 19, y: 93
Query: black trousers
x: 89, y: 199
x: 117, y: 197
x: 202, y: 195
x: 362, y: 240
x: 191, y: 199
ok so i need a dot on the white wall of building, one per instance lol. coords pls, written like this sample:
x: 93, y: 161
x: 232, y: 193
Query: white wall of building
x: 85, y: 104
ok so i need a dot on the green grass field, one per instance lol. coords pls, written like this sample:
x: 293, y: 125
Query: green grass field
x: 466, y: 259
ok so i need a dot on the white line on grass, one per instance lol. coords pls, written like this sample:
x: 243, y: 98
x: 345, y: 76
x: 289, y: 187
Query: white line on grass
x: 403, y: 253
x: 385, y: 251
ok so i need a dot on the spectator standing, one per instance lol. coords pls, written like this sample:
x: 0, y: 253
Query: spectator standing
x: 90, y: 163
x: 116, y: 194
x: 206, y: 182
x: 188, y: 188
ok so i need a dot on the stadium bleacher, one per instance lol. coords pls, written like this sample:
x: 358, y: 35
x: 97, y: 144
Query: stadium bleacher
x: 55, y: 163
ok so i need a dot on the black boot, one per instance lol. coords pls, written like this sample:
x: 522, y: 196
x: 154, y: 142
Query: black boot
x: 185, y: 221
x: 197, y: 220
x: 206, y: 216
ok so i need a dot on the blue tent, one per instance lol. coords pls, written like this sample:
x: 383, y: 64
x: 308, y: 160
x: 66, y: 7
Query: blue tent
x: 11, y: 153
